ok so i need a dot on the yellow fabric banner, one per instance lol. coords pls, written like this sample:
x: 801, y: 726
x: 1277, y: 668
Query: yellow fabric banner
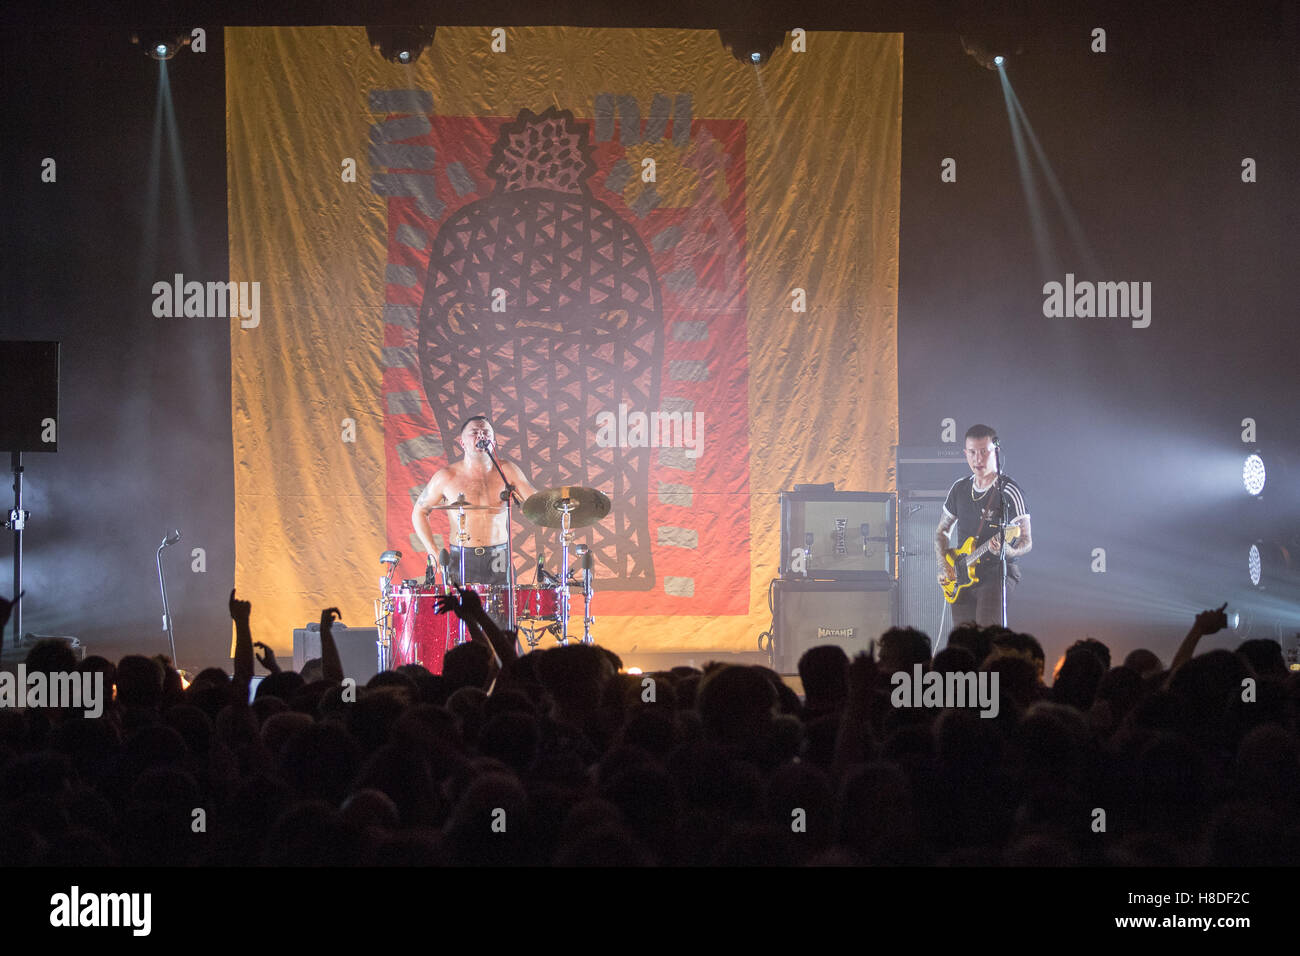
x: 665, y: 274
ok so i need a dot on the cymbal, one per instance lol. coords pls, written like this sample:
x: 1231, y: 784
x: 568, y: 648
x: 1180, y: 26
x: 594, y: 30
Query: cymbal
x: 462, y: 503
x: 585, y: 505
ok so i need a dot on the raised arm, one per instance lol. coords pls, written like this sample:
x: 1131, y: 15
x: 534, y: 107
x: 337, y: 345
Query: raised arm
x: 1207, y: 622
x: 331, y: 664
x: 240, y: 611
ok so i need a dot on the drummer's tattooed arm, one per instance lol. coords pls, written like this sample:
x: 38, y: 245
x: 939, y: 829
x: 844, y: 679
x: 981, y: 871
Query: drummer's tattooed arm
x: 432, y: 494
x: 523, y: 487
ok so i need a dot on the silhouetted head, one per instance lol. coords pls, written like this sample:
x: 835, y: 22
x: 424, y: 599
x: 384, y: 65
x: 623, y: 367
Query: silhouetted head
x: 824, y: 672
x: 139, y: 682
x: 902, y: 647
x: 1144, y: 662
x: 51, y: 655
x: 1265, y: 656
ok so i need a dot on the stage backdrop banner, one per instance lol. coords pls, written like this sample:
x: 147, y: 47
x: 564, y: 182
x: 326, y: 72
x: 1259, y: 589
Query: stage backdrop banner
x: 663, y: 273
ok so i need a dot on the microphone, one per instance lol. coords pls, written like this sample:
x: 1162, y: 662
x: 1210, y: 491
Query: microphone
x: 170, y: 539
x: 544, y: 575
x: 482, y: 444
x: 588, y: 567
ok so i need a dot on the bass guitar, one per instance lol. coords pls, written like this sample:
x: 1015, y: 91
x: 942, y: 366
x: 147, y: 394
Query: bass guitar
x: 963, y: 561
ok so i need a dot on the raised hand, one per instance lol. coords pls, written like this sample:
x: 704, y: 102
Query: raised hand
x: 470, y: 603
x: 267, y: 658
x: 1209, y: 622
x: 328, y: 616
x: 239, y: 610
x: 6, y: 608
x: 463, y: 602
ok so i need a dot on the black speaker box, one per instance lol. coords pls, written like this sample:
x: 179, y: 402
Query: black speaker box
x: 920, y: 599
x: 929, y: 468
x: 811, y: 613
x: 358, y: 649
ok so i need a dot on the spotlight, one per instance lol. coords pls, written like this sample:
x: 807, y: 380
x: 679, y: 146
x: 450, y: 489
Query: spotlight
x: 754, y: 46
x: 1252, y: 475
x: 161, y: 44
x: 1253, y: 565
x: 982, y: 49
x: 402, y: 44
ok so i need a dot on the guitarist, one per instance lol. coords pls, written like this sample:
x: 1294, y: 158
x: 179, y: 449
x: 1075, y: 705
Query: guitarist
x: 973, y: 505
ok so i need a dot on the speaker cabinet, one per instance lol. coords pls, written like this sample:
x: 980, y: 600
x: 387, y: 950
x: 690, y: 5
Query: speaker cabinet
x: 837, y: 535
x: 358, y: 650
x: 812, y: 613
x: 929, y: 468
x: 920, y: 600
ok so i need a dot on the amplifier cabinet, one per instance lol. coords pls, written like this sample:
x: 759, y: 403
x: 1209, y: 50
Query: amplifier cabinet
x: 837, y: 535
x: 358, y: 649
x: 810, y: 613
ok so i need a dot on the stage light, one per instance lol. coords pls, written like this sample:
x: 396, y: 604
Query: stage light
x: 1253, y: 475
x: 754, y: 47
x: 161, y: 44
x: 980, y: 48
x: 401, y: 44
x: 1253, y: 565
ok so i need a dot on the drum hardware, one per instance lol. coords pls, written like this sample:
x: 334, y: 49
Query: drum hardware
x: 384, y: 608
x: 412, y: 635
x: 420, y: 635
x: 566, y: 507
x: 588, y: 562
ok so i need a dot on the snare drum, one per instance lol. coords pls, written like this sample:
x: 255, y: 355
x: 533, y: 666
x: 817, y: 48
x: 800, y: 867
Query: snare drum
x: 536, y: 604
x: 420, y: 635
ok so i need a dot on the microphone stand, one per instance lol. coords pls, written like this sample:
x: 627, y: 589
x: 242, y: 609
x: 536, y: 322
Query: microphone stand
x: 1002, y: 534
x: 509, y: 496
x: 162, y: 586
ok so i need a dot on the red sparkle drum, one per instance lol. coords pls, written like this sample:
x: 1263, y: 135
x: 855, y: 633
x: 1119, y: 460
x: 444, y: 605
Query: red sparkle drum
x: 421, y: 635
x: 535, y: 604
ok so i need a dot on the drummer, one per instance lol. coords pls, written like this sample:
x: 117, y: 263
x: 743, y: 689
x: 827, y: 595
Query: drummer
x: 474, y: 477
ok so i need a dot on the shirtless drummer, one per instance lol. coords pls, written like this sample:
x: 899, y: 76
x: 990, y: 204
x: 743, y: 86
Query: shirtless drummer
x: 475, y: 478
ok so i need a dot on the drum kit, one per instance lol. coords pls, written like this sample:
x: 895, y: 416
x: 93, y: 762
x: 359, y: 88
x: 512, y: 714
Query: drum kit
x: 412, y: 632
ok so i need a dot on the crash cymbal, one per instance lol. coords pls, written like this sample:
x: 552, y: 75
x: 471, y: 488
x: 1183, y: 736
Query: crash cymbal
x: 462, y: 503
x: 586, y: 506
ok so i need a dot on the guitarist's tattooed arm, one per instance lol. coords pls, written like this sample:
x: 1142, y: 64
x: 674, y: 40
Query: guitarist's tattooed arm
x: 1022, y: 545
x: 942, y: 546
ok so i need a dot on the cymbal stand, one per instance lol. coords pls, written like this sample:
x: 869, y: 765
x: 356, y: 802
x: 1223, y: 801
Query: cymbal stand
x: 588, y: 589
x: 462, y: 539
x: 566, y: 507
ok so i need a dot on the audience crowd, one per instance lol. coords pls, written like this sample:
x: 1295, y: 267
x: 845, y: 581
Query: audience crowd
x: 559, y: 757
